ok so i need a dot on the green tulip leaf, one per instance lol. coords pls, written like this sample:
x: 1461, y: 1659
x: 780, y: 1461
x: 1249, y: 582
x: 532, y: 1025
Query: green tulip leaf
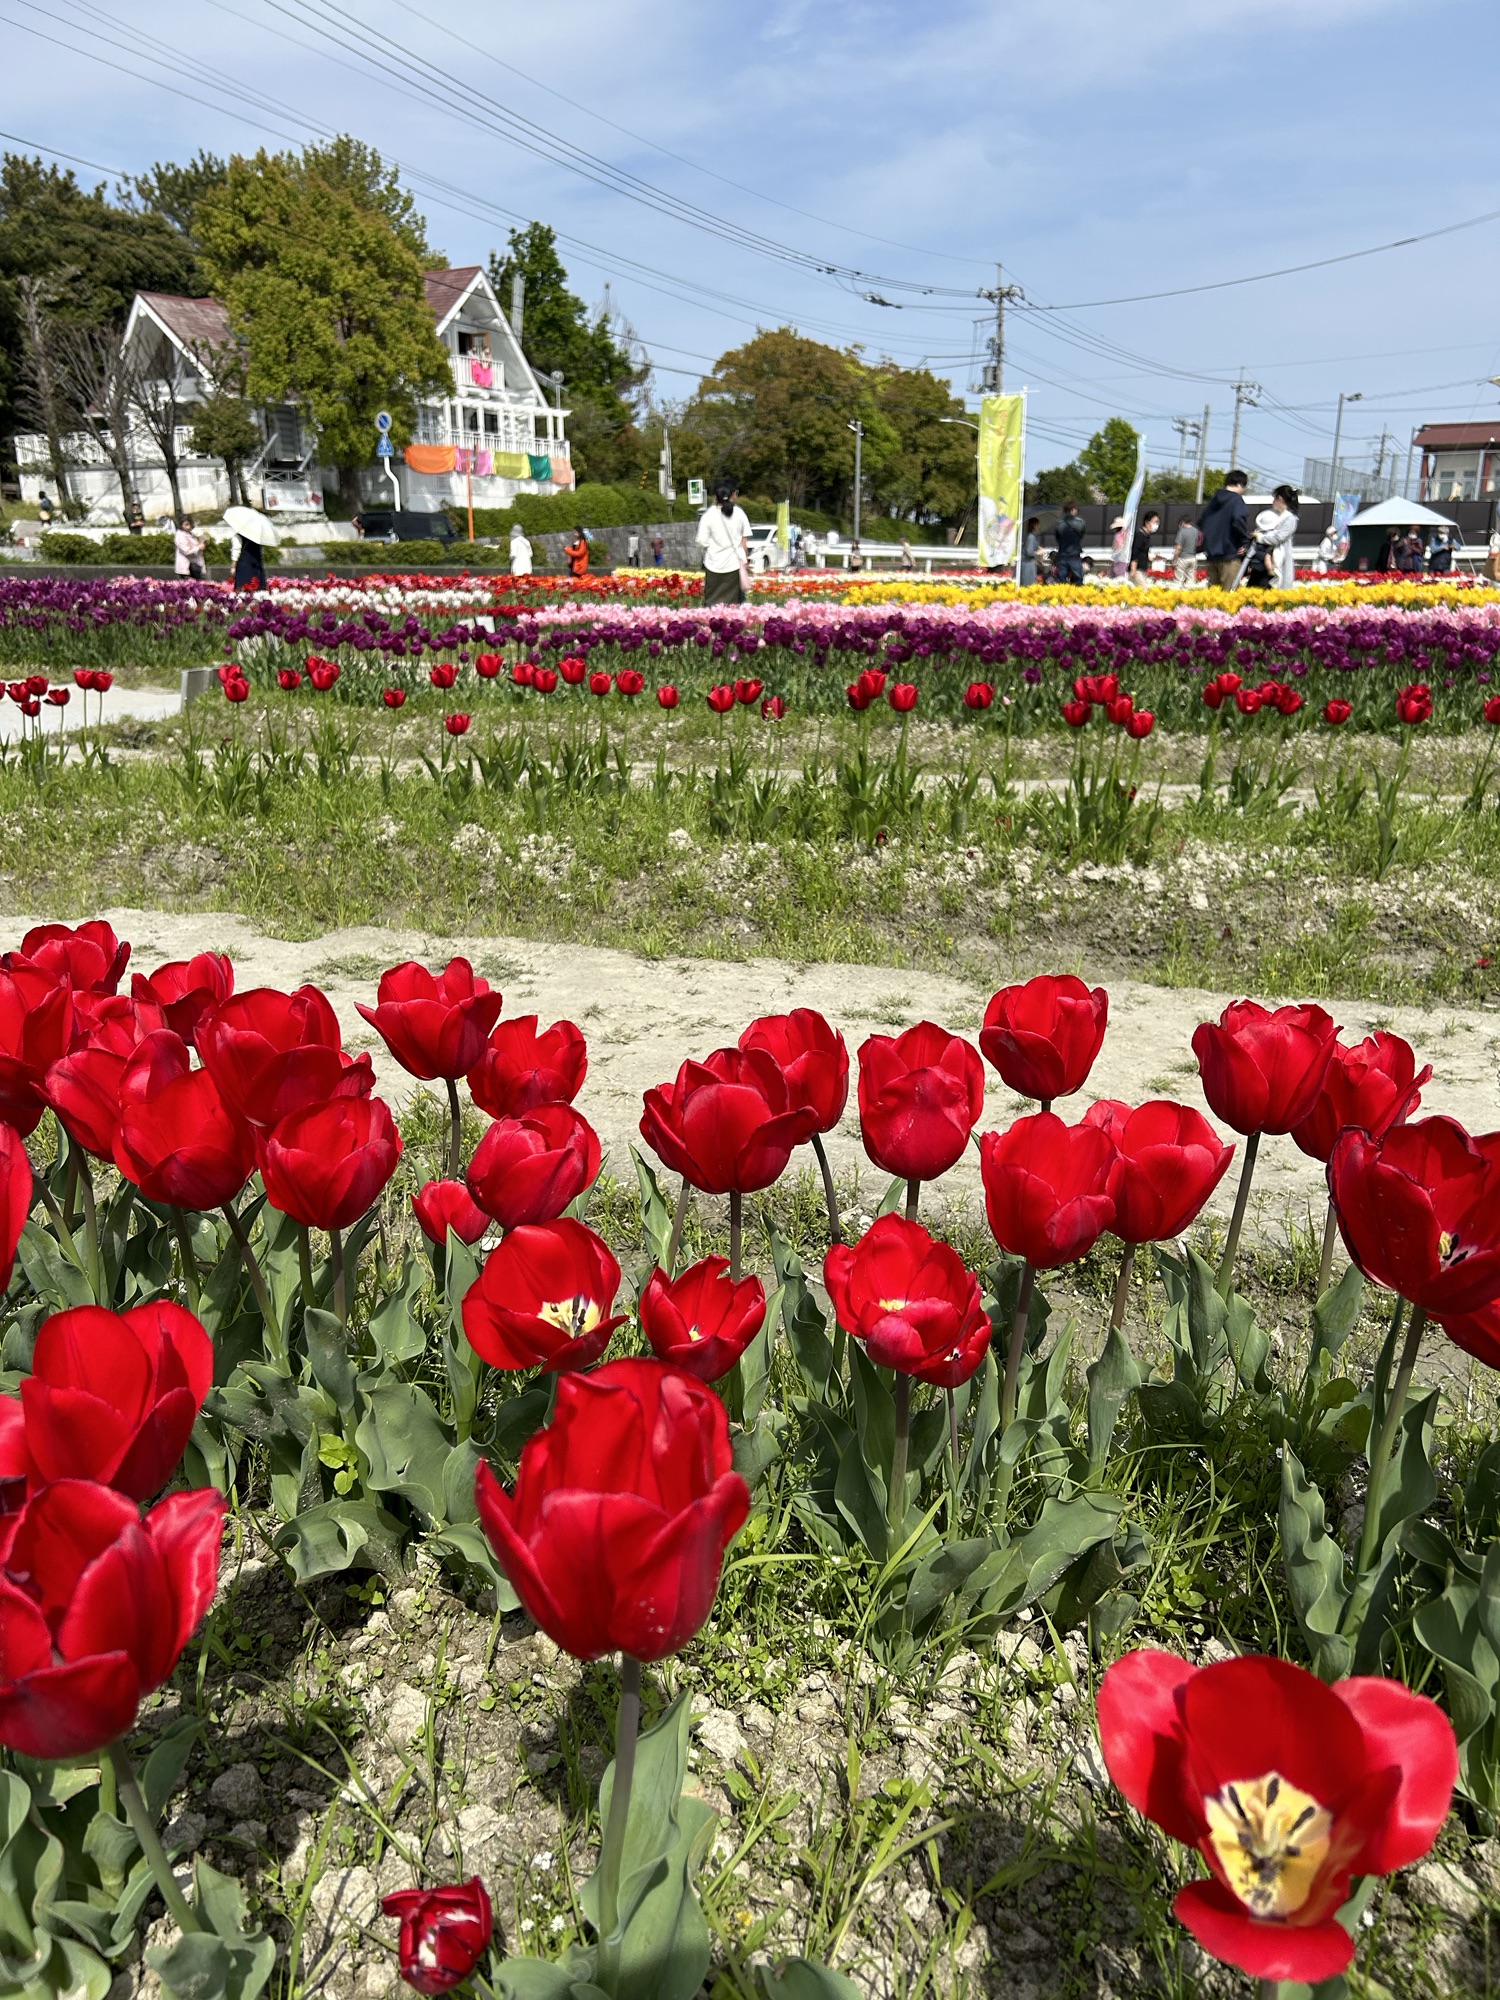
x: 656, y: 1211
x: 802, y: 1319
x: 340, y: 1535
x: 943, y: 1574
x: 54, y: 1268
x: 394, y: 1328
x: 406, y: 1447
x: 1314, y: 1570
x: 805, y: 1979
x: 1113, y: 1377
x: 1336, y: 1315
x: 328, y: 1356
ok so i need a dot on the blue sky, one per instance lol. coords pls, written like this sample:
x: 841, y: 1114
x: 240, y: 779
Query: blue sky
x: 1098, y: 149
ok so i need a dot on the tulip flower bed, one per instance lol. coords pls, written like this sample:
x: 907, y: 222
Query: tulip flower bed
x: 356, y: 1503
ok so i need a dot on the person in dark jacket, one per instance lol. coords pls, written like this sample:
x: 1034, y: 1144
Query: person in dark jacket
x: 1226, y: 531
x: 249, y: 565
x: 1068, y: 534
x: 1140, y: 547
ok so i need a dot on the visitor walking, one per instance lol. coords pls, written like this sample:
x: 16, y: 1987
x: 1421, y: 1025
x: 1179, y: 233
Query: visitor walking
x: 1226, y: 531
x: 1328, y: 551
x: 188, y: 547
x: 723, y: 532
x: 1031, y: 549
x: 856, y: 559
x: 520, y: 550
x: 658, y: 548
x: 1140, y: 548
x: 135, y: 520
x: 1440, y: 554
x: 577, y: 554
x: 1068, y: 535
x: 633, y: 547
x: 1274, y: 529
x: 1185, y: 553
x: 908, y: 560
x: 1119, y: 555
x: 249, y: 564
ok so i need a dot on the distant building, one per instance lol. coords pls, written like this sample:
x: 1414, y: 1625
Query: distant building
x: 1459, y: 462
x: 494, y: 437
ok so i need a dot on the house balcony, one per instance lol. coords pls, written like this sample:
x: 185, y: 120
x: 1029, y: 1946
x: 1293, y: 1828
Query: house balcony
x: 514, y: 430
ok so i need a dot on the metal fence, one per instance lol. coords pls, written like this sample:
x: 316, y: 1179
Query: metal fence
x: 1318, y: 479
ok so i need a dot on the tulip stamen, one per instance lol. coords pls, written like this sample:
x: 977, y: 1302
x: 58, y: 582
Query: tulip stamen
x: 1270, y: 1840
x: 576, y: 1316
x: 1451, y: 1250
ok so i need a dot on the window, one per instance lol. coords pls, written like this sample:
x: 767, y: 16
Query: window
x: 477, y: 344
x: 491, y: 424
x: 471, y: 419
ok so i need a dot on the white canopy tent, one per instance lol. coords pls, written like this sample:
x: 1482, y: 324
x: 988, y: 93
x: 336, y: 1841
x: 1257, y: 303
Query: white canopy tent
x: 1401, y: 514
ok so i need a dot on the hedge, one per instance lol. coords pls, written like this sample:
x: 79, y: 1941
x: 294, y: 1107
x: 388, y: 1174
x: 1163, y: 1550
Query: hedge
x: 125, y: 550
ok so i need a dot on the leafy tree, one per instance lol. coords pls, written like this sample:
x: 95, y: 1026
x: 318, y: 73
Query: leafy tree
x: 1108, y: 459
x: 1058, y: 483
x: 173, y: 193
x: 318, y: 258
x: 933, y: 475
x: 94, y: 254
x: 224, y: 427
x: 601, y: 380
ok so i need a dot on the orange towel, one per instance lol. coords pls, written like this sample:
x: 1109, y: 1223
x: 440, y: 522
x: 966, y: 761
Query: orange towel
x: 430, y: 457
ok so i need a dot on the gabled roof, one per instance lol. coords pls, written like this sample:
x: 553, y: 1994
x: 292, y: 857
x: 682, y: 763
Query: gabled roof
x: 191, y: 322
x: 1453, y: 437
x: 446, y: 290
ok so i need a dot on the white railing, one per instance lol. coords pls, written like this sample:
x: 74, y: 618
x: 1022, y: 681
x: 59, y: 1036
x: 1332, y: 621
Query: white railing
x: 516, y: 433
x: 82, y: 448
x: 479, y: 371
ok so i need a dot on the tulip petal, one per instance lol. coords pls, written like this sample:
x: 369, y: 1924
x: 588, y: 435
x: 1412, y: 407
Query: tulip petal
x: 187, y: 1530
x: 66, y: 1711
x: 1264, y: 1949
x: 1247, y: 1717
x: 1141, y: 1734
x: 1411, y: 1733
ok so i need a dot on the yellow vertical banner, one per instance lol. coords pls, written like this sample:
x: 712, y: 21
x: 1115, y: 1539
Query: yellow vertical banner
x: 1002, y: 445
x: 784, y: 524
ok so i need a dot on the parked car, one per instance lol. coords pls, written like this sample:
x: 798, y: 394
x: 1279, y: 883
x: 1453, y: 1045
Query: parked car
x: 391, y: 524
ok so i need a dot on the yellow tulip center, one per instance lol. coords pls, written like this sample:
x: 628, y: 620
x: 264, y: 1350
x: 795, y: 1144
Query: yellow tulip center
x: 893, y: 1305
x: 1271, y: 1840
x: 576, y: 1316
x: 695, y: 1333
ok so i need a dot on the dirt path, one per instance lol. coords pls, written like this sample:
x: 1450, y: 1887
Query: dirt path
x: 643, y: 1017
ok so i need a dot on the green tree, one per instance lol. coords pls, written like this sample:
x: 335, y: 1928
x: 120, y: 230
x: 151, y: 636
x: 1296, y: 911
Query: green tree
x: 224, y: 427
x: 932, y: 476
x: 1057, y: 483
x: 1108, y: 460
x: 318, y: 258
x: 601, y: 380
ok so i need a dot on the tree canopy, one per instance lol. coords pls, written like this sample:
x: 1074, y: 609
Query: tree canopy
x: 318, y: 258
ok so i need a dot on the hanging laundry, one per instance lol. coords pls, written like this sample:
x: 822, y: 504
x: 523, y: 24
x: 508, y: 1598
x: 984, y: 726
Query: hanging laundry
x: 483, y: 374
x: 484, y: 464
x: 463, y: 459
x: 541, y: 465
x: 512, y: 465
x: 562, y: 471
x: 430, y: 457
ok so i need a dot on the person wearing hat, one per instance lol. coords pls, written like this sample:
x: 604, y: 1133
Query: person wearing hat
x: 1119, y: 555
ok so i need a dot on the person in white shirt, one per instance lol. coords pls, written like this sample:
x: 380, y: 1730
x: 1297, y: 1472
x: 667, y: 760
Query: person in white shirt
x: 520, y: 551
x: 1328, y: 551
x: 1274, y: 530
x: 723, y: 535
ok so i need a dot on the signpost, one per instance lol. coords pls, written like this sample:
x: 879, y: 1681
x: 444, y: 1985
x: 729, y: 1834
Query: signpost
x: 695, y: 493
x: 385, y: 451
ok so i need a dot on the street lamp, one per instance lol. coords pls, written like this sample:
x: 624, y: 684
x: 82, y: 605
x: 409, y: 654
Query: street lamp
x: 1345, y: 396
x: 859, y: 437
x: 967, y: 424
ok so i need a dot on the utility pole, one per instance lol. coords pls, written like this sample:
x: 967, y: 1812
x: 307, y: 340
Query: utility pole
x: 664, y: 476
x: 1202, y: 453
x: 1385, y: 439
x: 517, y: 303
x: 1345, y: 396
x: 859, y: 438
x: 1244, y: 392
x: 1182, y: 425
x: 992, y: 381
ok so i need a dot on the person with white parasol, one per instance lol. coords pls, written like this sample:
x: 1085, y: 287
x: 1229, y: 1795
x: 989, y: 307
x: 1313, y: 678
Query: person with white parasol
x: 252, y: 533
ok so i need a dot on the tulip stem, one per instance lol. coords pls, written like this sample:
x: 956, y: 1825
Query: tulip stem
x: 304, y: 1266
x: 1013, y: 1352
x: 340, y: 1276
x: 736, y: 1230
x: 835, y: 1228
x: 455, y: 1132
x: 90, y: 1223
x: 896, y: 1500
x: 1325, y: 1262
x: 1122, y: 1288
x: 253, y: 1272
x: 913, y: 1199
x: 189, y: 1261
x: 49, y: 1201
x: 1237, y: 1220
x: 70, y: 1219
x: 612, y: 1849
x: 952, y: 1464
x: 679, y: 1217
x: 145, y: 1832
x: 1380, y: 1457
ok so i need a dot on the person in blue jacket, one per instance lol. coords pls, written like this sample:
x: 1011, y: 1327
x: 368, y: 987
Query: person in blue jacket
x: 1226, y: 532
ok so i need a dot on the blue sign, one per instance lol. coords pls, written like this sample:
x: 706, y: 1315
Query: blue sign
x: 384, y: 448
x: 382, y: 420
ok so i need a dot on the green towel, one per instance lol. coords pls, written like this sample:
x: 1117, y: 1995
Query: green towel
x: 541, y: 465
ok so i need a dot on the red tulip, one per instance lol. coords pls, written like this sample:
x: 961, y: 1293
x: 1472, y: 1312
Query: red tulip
x: 83, y: 677
x: 773, y: 708
x: 444, y: 1205
x: 177, y: 1139
x: 1044, y: 1035
x: 1249, y: 701
x: 812, y: 1058
x: 394, y: 697
x: 96, y: 1605
x: 727, y: 1123
x: 1099, y: 688
x: 528, y: 1169
x: 186, y: 990
x: 1492, y: 710
x: 1120, y: 709
x: 1076, y: 713
x: 872, y: 680
x: 666, y: 695
x: 36, y: 683
x: 1287, y: 1788
x: 543, y: 1298
x: 910, y: 1301
x: 16, y: 1191
x: 444, y: 1933
x: 288, y: 678
x: 323, y: 675
x: 443, y: 674
x: 456, y: 725
x: 1171, y: 1161
x: 920, y: 1096
x: 31, y: 705
x: 978, y: 694
x: 1213, y: 695
x: 703, y: 1320
x: 600, y: 682
x: 1049, y: 1188
x: 38, y: 1025
x: 1337, y: 711
x: 1414, y: 704
x: 623, y: 1508
x: 1140, y: 723
x: 1374, y: 1085
x: 747, y: 692
x: 324, y: 1165
x: 88, y: 956
x: 859, y: 695
x: 1264, y: 1068
x: 544, y: 680
x: 721, y: 699
x: 1477, y: 1333
x: 630, y: 681
x: 84, y: 1091
x: 1419, y: 1211
x: 572, y: 670
x: 236, y: 690
x: 434, y: 1024
x: 487, y: 665
x: 903, y: 697
x: 271, y: 1053
x: 521, y: 1067
x: 113, y: 1396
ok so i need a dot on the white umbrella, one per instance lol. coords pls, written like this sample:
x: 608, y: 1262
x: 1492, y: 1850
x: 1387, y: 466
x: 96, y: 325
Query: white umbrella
x: 251, y: 526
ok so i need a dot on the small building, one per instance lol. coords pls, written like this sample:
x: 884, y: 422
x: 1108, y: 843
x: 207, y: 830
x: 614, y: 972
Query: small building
x: 1459, y: 461
x: 496, y: 435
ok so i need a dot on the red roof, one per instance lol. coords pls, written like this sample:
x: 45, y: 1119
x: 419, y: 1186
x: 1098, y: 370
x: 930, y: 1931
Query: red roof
x: 444, y: 289
x: 1454, y: 437
x: 195, y: 322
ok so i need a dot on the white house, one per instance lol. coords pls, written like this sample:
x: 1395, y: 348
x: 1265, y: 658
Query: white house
x: 495, y: 436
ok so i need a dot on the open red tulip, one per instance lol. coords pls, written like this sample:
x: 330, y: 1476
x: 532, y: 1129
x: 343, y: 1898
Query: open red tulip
x: 543, y: 1298
x: 1171, y: 1160
x: 702, y: 1320
x: 273, y: 1053
x: 17, y: 1186
x: 523, y: 1066
x: 1374, y: 1085
x: 1419, y: 1211
x: 812, y: 1058
x: 444, y: 1933
x: 727, y: 1123
x: 1263, y: 1067
x: 186, y: 990
x: 435, y: 1024
x: 911, y: 1301
x: 1049, y: 1188
x: 177, y: 1139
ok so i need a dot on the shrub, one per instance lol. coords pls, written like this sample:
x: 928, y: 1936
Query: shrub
x: 66, y: 548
